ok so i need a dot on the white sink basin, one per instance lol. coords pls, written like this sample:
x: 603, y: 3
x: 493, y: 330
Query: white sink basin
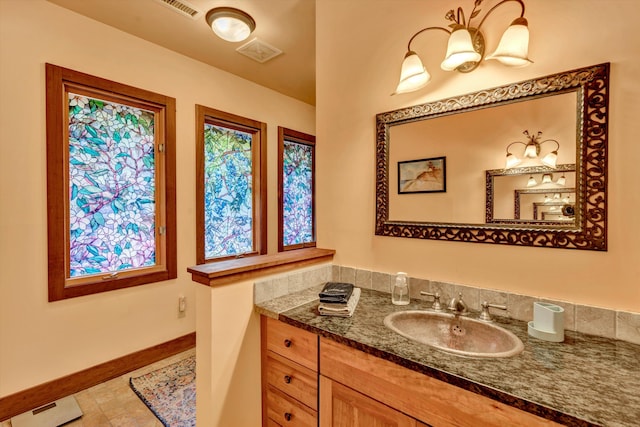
x: 455, y: 334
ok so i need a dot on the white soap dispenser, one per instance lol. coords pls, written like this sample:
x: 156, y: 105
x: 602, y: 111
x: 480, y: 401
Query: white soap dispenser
x: 400, y: 292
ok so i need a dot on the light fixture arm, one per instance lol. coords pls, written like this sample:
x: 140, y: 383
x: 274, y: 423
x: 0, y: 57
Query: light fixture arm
x: 422, y: 31
x: 515, y: 142
x: 494, y: 8
x: 550, y: 140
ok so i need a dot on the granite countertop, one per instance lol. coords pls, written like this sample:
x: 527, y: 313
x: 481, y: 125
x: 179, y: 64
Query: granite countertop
x: 583, y: 381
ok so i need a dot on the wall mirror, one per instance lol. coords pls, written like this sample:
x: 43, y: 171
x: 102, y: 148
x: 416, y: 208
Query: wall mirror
x: 483, y: 201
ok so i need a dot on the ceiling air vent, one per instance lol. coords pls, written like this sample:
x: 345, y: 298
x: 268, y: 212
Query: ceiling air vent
x: 259, y: 50
x: 182, y: 7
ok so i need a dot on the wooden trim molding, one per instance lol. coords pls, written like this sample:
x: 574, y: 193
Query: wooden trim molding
x: 225, y: 272
x: 42, y: 394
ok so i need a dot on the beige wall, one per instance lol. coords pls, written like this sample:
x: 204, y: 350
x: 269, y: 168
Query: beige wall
x: 360, y: 45
x: 41, y: 341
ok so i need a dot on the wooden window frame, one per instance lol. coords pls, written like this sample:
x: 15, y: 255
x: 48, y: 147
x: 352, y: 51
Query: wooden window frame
x: 285, y: 134
x: 258, y: 131
x: 59, y: 81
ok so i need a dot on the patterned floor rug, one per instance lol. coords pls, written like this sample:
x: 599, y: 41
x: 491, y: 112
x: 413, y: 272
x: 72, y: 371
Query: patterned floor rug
x: 170, y: 392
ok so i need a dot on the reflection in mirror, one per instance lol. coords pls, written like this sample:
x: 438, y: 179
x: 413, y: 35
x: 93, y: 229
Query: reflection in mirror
x: 474, y: 141
x: 519, y: 195
x: 474, y: 132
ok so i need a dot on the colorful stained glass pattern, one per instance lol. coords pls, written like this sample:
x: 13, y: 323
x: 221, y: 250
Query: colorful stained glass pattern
x: 297, y: 189
x: 111, y: 186
x: 228, y: 201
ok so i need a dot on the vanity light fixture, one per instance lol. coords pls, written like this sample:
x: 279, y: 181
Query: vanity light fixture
x: 547, y: 178
x: 466, y: 47
x: 532, y: 150
x: 562, y: 180
x: 230, y: 24
x: 532, y: 181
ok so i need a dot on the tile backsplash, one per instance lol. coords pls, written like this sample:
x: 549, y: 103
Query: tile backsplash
x: 581, y: 318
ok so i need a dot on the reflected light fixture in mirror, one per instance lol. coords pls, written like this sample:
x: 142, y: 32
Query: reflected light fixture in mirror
x: 466, y: 47
x: 532, y: 150
x: 230, y: 24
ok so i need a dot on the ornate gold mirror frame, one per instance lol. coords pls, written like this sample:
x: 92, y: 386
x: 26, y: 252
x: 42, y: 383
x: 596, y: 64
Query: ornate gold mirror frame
x: 590, y: 229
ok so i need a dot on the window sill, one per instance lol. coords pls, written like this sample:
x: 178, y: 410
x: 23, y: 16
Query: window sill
x: 225, y: 272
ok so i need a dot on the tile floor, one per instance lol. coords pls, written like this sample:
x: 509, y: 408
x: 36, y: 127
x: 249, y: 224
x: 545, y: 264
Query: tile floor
x: 114, y: 404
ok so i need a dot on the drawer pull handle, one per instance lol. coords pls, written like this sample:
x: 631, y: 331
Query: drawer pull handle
x: 287, y: 343
x: 287, y: 379
x: 287, y: 416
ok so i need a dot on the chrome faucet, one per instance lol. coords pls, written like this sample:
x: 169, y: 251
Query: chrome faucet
x: 458, y: 306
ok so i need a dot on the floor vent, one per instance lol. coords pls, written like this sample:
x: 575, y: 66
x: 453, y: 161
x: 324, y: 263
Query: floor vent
x: 259, y: 50
x: 182, y: 7
x: 53, y: 414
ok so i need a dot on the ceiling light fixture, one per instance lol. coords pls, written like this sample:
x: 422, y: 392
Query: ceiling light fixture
x: 466, y: 47
x: 230, y: 24
x: 532, y: 151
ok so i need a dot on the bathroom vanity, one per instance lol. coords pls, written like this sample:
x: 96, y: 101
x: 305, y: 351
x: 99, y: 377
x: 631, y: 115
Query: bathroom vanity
x: 331, y: 371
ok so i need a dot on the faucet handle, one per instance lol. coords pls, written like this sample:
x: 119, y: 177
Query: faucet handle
x: 485, y: 315
x: 436, y: 299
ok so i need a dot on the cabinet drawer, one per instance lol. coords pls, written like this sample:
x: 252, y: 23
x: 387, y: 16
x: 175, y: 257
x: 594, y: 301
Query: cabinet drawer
x: 295, y: 380
x: 295, y: 344
x: 285, y: 411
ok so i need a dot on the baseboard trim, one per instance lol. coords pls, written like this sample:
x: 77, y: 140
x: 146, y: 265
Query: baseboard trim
x: 42, y: 394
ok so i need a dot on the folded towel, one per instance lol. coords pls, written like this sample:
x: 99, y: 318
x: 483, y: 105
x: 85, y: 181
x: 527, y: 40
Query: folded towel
x: 341, y: 309
x: 336, y: 292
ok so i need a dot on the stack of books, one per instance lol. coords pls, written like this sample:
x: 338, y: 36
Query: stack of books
x: 338, y: 299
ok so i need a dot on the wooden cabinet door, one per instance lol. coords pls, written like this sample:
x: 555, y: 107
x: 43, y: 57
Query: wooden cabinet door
x: 341, y: 406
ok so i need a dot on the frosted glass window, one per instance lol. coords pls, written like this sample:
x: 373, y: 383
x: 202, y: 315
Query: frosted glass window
x: 297, y: 190
x: 296, y: 183
x: 228, y: 192
x: 110, y: 185
x: 231, y: 200
x: 112, y: 203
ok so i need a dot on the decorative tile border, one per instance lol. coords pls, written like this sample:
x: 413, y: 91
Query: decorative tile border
x: 590, y: 320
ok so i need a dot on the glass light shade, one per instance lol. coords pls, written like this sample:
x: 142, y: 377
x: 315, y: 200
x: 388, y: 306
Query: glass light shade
x: 547, y: 178
x: 562, y: 180
x: 513, y: 49
x: 413, y: 75
x: 556, y: 195
x: 459, y: 50
x: 532, y: 182
x: 512, y: 161
x: 531, y: 150
x: 550, y: 159
x: 547, y: 199
x: 232, y: 25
